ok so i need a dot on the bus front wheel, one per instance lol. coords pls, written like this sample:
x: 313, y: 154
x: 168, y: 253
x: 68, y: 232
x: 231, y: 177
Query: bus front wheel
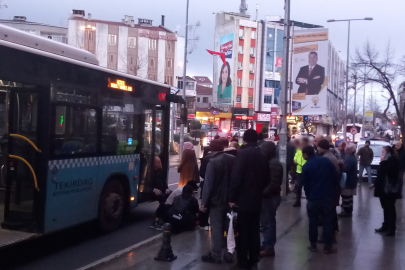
x: 111, y: 206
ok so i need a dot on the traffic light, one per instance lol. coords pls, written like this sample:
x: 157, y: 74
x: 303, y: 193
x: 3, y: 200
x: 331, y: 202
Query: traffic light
x: 306, y: 118
x: 393, y: 123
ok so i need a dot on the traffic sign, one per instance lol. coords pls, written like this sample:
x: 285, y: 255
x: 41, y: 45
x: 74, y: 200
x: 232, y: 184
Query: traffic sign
x: 353, y: 131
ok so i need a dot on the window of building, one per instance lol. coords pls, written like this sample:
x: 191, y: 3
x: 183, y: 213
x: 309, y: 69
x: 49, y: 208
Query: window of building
x: 270, y: 50
x: 279, y: 48
x: 241, y: 49
x: 251, y: 66
x: 131, y: 61
x: 190, y: 104
x: 276, y: 95
x: 198, y: 99
x: 251, y: 83
x: 250, y: 100
x: 169, y: 63
x: 267, y: 99
x: 112, y: 39
x: 240, y: 65
x: 241, y: 32
x: 253, y: 35
x: 239, y: 82
x: 132, y: 42
x: 152, y: 44
x: 111, y: 58
x: 152, y: 62
x: 169, y: 46
x: 238, y: 98
x: 205, y: 99
x: 75, y: 131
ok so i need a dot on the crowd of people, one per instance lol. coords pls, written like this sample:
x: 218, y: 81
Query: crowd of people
x: 248, y: 180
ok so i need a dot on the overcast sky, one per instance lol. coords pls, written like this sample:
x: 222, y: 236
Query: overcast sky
x: 387, y: 25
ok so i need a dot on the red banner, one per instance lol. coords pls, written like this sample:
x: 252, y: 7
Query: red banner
x: 279, y: 60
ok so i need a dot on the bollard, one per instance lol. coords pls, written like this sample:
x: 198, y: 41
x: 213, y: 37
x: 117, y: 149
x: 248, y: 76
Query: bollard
x: 166, y: 252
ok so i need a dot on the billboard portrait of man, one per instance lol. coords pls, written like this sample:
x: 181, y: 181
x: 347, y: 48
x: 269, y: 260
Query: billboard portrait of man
x: 311, y: 77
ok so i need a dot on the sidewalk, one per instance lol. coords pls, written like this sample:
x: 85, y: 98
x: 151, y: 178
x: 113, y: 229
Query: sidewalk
x: 359, y: 247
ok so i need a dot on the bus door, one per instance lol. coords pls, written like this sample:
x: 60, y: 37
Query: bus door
x: 22, y: 157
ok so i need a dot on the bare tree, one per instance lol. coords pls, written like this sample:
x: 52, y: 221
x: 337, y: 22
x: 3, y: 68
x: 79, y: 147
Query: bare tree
x: 383, y: 70
x: 137, y: 64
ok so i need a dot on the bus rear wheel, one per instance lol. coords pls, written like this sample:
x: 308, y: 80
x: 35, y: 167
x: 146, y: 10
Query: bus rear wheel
x: 111, y: 206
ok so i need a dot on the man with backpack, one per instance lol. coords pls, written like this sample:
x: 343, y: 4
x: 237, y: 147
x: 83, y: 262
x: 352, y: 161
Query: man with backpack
x: 217, y: 178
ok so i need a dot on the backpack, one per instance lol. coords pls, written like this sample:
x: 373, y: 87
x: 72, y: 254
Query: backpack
x: 180, y: 207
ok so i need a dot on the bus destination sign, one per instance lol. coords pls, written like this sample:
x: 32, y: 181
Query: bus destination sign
x: 120, y: 84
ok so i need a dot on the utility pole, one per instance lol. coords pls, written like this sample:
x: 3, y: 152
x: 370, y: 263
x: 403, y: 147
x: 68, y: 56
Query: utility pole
x: 283, y: 97
x: 184, y: 85
x: 354, y: 108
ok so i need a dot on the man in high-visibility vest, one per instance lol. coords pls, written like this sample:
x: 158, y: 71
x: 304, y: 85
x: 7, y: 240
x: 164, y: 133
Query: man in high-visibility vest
x: 299, y: 161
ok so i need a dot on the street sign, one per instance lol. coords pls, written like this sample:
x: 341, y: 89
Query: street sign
x: 353, y: 131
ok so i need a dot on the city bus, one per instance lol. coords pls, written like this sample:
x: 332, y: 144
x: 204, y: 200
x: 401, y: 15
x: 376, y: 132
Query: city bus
x: 78, y: 141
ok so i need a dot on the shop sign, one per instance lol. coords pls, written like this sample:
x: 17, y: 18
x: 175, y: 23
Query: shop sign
x: 291, y: 118
x: 273, y: 116
x: 264, y: 117
x: 243, y: 117
x: 191, y: 116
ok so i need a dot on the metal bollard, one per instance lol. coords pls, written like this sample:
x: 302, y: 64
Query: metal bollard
x: 166, y: 251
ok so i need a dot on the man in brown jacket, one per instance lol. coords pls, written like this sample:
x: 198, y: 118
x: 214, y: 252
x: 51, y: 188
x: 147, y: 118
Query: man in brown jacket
x: 365, y: 155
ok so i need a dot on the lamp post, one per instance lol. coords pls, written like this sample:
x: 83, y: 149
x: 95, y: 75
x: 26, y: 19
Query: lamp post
x: 347, y: 64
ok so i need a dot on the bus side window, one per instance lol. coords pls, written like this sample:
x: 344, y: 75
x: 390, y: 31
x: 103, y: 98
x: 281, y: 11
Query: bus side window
x: 75, y: 131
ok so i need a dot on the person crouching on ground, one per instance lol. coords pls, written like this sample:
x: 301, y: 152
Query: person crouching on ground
x: 217, y: 177
x: 271, y: 199
x: 183, y: 213
x: 160, y: 193
x: 319, y: 186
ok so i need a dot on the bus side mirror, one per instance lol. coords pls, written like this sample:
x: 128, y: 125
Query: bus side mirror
x: 183, y: 116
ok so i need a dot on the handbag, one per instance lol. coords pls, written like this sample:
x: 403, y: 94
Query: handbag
x: 343, y: 179
x: 391, y: 188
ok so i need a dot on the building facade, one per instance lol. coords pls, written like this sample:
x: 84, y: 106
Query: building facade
x: 140, y: 49
x: 56, y: 33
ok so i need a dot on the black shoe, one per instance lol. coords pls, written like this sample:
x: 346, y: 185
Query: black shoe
x: 390, y: 234
x: 228, y: 257
x: 209, y: 259
x: 382, y: 229
x: 313, y: 248
x: 297, y: 204
x: 153, y: 224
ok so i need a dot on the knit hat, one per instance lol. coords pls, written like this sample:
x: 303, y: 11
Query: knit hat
x: 216, y: 145
x: 324, y: 144
x: 188, y: 145
x: 250, y: 136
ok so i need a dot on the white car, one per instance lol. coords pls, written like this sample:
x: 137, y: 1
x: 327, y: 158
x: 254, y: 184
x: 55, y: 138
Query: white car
x: 377, y: 147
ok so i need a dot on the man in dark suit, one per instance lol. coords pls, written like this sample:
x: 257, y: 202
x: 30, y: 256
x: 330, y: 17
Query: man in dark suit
x: 311, y: 77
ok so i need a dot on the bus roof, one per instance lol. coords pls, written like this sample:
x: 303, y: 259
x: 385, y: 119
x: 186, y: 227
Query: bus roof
x: 20, y: 40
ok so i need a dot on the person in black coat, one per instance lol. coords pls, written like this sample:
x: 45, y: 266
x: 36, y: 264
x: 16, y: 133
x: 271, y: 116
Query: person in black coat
x: 249, y: 179
x: 350, y: 188
x: 311, y: 77
x: 388, y: 187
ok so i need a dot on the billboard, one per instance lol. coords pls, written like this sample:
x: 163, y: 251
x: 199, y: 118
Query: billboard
x: 309, y: 73
x: 224, y: 84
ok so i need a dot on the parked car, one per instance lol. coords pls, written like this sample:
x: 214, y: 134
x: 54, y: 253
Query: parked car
x: 377, y: 147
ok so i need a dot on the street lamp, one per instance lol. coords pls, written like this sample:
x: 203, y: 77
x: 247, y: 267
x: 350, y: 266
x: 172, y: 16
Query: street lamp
x: 347, y: 63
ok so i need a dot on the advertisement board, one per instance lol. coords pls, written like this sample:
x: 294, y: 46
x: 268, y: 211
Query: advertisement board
x: 224, y: 84
x: 309, y: 73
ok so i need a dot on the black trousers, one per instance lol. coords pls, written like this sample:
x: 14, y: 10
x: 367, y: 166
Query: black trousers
x: 298, y: 186
x: 248, y: 245
x: 390, y: 214
x: 160, y: 211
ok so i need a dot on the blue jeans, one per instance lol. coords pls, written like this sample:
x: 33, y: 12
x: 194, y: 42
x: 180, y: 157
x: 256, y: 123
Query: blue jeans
x: 321, y: 208
x: 268, y: 221
x: 368, y: 170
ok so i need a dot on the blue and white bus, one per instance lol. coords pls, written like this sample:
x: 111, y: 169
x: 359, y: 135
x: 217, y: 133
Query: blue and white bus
x: 77, y: 140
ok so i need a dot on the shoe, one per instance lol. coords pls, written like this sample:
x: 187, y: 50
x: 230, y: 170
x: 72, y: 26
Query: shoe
x: 153, y: 225
x: 297, y: 204
x: 313, y: 248
x: 267, y: 253
x: 380, y: 230
x: 159, y: 227
x: 371, y: 186
x: 390, y: 234
x: 209, y: 259
x: 329, y: 250
x: 205, y: 228
x: 228, y: 257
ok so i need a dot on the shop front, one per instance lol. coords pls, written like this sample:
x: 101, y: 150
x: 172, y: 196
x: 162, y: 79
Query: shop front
x: 241, y: 118
x: 220, y: 119
x: 262, y: 122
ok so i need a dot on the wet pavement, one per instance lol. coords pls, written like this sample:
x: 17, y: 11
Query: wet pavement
x: 359, y: 247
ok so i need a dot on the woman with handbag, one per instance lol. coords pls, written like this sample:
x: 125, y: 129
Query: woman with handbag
x: 388, y: 187
x: 349, y: 186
